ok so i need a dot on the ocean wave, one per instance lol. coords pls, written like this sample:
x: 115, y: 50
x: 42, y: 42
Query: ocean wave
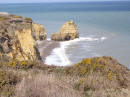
x: 59, y: 57
x: 86, y: 39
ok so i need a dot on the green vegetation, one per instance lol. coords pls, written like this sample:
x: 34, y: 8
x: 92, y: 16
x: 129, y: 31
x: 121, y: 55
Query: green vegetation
x: 8, y: 80
x: 88, y: 66
x: 18, y: 64
x: 3, y: 18
x: 15, y: 16
x: 91, y: 77
x: 28, y: 19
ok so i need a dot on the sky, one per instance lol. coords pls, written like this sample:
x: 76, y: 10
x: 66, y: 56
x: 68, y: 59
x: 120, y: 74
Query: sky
x: 37, y: 1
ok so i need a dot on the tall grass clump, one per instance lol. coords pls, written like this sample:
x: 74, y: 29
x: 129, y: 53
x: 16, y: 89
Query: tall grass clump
x: 44, y: 85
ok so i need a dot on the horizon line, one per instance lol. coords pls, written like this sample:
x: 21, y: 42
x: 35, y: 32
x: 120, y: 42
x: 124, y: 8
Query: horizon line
x: 63, y: 2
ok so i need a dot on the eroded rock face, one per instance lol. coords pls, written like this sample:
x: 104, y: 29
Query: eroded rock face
x: 39, y: 32
x: 67, y: 32
x: 17, y: 39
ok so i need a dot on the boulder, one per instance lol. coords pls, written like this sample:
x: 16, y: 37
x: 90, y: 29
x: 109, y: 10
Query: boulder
x: 68, y: 31
x: 18, y: 36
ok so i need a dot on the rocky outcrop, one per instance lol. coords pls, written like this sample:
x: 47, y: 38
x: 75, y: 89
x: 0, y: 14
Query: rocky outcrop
x: 67, y: 32
x: 39, y: 32
x: 17, y: 37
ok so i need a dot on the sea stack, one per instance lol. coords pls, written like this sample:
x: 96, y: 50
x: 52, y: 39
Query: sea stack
x: 18, y: 36
x: 68, y: 31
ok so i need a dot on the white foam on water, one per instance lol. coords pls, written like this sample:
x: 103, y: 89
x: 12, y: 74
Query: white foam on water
x: 48, y: 39
x: 103, y: 38
x: 59, y: 57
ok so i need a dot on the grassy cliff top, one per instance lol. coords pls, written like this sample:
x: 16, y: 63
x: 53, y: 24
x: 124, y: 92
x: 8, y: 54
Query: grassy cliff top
x: 11, y: 17
x: 91, y: 77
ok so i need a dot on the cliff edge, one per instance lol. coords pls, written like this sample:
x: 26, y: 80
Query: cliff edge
x: 18, y: 36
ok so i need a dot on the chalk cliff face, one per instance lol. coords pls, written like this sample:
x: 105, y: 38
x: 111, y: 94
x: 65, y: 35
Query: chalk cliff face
x: 18, y: 36
x: 68, y: 31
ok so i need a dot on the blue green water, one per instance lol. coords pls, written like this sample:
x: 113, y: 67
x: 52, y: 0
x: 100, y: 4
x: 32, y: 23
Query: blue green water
x: 95, y: 21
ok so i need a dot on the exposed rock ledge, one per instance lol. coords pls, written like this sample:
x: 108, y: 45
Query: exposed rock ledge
x: 18, y: 36
x: 68, y: 31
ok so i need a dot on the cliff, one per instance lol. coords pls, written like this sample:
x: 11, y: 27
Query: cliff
x: 68, y: 31
x: 18, y: 36
x: 91, y: 77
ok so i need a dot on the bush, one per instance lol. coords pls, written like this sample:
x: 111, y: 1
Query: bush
x: 19, y: 64
x: 93, y: 77
x: 15, y: 16
x: 7, y: 81
x: 3, y: 18
x: 28, y: 19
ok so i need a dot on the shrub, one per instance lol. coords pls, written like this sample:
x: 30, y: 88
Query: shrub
x: 7, y: 81
x: 19, y: 64
x: 3, y: 18
x: 15, y: 16
x: 95, y: 77
x: 27, y: 19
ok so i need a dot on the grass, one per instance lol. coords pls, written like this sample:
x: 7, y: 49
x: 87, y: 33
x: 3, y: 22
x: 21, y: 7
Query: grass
x: 15, y: 16
x: 45, y: 85
x: 27, y: 19
x: 3, y: 18
x: 8, y: 80
x: 95, y: 77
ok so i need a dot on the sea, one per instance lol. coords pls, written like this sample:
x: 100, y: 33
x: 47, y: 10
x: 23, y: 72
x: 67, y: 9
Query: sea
x: 104, y: 28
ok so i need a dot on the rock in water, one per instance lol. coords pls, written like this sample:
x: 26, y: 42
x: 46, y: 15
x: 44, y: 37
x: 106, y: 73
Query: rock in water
x: 68, y: 31
x: 18, y: 36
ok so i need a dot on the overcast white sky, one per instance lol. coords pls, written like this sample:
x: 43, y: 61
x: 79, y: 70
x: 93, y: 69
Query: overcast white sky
x: 33, y: 1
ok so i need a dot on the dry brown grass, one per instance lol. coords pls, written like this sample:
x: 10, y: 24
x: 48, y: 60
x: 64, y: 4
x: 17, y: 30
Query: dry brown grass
x: 8, y: 79
x: 45, y: 85
x: 53, y: 85
x: 96, y: 77
x: 3, y: 18
x: 101, y: 77
x: 28, y: 19
x: 95, y: 85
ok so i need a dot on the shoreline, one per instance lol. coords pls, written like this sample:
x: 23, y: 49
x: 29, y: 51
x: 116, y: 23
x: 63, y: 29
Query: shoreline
x: 46, y: 47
